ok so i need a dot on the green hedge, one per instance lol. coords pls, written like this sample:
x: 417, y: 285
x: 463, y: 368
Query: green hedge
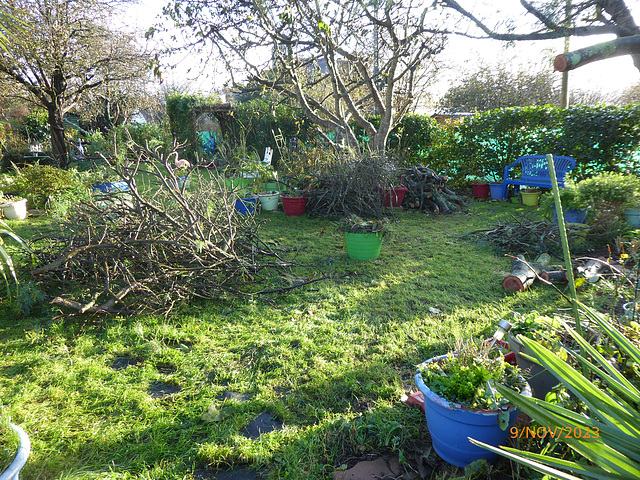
x: 601, y: 138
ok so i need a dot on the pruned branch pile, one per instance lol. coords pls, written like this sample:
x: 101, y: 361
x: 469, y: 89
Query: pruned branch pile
x: 347, y: 188
x: 524, y: 235
x: 149, y: 250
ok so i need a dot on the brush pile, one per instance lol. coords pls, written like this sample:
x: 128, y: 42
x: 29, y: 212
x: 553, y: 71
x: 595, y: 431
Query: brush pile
x: 150, y: 250
x: 524, y: 235
x: 350, y: 187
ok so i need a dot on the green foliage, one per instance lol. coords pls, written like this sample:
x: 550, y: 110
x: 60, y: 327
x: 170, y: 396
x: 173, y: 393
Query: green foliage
x: 470, y: 376
x: 410, y: 140
x: 601, y: 138
x: 608, y: 435
x: 7, y: 268
x: 182, y: 109
x: 35, y: 127
x: 263, y: 119
x: 39, y: 183
x: 611, y: 189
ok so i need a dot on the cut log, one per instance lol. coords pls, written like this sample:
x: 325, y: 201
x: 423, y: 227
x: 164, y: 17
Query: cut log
x: 522, y: 275
x: 555, y: 276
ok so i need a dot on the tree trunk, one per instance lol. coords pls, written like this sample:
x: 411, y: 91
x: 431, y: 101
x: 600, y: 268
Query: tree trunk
x: 58, y: 141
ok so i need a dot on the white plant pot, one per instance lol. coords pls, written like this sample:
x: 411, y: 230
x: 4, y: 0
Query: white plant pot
x: 15, y: 210
x: 269, y: 201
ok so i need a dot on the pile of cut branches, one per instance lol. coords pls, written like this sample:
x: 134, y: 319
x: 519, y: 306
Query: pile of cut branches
x: 524, y: 235
x: 151, y: 249
x: 350, y: 187
x: 428, y: 191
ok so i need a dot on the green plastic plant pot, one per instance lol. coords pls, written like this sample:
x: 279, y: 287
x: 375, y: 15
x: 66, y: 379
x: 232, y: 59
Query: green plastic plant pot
x: 363, y: 246
x: 530, y: 199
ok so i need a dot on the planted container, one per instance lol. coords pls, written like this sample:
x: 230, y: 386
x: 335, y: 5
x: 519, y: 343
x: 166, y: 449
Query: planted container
x: 451, y: 424
x: 269, y: 201
x: 632, y: 216
x: 393, y: 197
x: 497, y: 191
x: 480, y: 190
x: 539, y: 378
x: 12, y: 472
x: 530, y: 198
x: 246, y: 206
x: 363, y: 246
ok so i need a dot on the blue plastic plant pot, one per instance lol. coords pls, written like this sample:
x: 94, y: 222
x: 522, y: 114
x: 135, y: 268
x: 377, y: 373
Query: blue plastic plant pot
x: 571, y: 215
x: 246, y: 206
x: 497, y: 191
x: 451, y: 425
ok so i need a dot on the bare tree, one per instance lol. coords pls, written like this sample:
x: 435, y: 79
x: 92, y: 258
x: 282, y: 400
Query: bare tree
x: 63, y: 50
x: 550, y: 19
x: 341, y: 61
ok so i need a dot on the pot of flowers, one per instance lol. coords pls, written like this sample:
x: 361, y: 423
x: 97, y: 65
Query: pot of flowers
x: 461, y: 401
x: 363, y: 238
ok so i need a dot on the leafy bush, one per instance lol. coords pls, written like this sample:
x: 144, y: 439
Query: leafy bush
x: 40, y: 183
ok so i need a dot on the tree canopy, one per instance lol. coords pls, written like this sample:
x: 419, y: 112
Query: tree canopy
x: 63, y: 50
x: 341, y: 61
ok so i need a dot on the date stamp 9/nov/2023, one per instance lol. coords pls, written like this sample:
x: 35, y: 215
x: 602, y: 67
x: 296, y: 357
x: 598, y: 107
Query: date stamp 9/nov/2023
x: 585, y: 433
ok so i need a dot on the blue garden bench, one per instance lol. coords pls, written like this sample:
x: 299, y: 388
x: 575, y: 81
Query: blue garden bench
x: 535, y: 172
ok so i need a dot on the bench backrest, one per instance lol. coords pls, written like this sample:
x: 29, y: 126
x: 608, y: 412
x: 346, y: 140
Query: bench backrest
x: 536, y: 167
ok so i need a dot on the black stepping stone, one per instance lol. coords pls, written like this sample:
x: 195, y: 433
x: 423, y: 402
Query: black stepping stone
x: 263, y: 423
x: 160, y: 390
x: 122, y: 363
x: 239, y: 474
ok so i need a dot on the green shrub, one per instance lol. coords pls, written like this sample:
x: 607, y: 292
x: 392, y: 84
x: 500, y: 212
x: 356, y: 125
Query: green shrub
x: 39, y: 183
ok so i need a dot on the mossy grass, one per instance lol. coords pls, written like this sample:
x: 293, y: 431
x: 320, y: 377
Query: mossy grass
x: 142, y: 397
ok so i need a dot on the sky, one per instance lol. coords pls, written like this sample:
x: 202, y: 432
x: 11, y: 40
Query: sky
x: 608, y: 76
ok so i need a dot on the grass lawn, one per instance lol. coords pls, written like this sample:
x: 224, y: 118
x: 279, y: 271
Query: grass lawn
x: 170, y: 398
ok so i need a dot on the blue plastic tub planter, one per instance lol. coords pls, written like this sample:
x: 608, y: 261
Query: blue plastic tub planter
x: 12, y: 472
x: 451, y: 425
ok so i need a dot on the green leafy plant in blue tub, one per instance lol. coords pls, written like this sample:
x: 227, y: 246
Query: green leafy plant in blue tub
x: 461, y: 401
